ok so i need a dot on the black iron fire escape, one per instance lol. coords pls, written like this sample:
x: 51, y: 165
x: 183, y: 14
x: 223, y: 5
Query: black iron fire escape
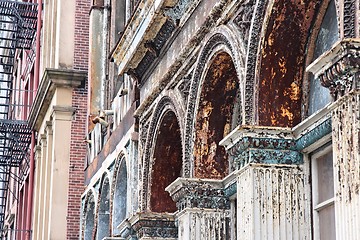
x: 17, y: 31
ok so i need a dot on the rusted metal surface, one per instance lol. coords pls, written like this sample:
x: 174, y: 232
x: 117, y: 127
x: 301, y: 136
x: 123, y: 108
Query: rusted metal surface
x: 282, y: 62
x: 214, y: 118
x: 167, y: 163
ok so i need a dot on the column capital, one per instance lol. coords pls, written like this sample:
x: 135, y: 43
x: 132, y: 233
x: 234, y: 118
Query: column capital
x: 64, y: 113
x: 198, y: 193
x: 43, y: 140
x: 48, y: 128
x: 37, y: 149
x: 37, y: 152
x: 149, y: 225
x: 266, y: 145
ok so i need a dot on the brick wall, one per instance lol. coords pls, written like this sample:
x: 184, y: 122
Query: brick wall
x: 78, y: 128
x: 77, y: 159
x: 81, y: 34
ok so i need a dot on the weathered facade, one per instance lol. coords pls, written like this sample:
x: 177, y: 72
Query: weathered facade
x: 223, y: 120
x: 44, y: 49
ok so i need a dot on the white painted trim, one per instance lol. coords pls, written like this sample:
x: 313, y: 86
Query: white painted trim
x: 316, y: 207
x: 324, y: 204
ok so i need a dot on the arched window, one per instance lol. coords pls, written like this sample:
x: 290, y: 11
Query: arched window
x: 214, y: 119
x: 89, y: 218
x: 120, y: 197
x: 167, y: 163
x: 103, y: 228
x: 328, y: 34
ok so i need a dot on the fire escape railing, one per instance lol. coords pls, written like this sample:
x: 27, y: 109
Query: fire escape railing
x: 17, y: 31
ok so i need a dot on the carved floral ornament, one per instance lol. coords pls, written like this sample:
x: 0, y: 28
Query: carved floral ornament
x: 338, y: 68
x: 198, y: 193
x: 154, y: 225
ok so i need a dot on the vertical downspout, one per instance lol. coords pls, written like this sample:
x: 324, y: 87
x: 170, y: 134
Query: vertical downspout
x: 32, y: 144
x: 107, y: 27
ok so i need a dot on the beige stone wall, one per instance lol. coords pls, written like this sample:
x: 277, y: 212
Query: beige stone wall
x: 58, y: 35
x: 53, y: 121
x: 52, y: 117
x: 51, y: 193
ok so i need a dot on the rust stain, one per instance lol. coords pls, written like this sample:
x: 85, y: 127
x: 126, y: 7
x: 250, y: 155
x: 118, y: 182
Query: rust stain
x: 213, y: 120
x: 282, y: 62
x: 167, y: 163
x: 286, y: 112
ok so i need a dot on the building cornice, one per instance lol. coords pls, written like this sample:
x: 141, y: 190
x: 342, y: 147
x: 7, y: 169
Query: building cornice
x: 51, y: 80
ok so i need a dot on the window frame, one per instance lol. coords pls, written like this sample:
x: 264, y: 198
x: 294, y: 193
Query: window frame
x: 317, y: 206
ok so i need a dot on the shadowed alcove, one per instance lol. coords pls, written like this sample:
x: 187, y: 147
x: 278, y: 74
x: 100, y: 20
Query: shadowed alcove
x: 214, y: 119
x: 167, y: 163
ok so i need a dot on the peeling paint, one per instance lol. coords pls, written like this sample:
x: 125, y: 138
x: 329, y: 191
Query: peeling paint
x: 273, y: 203
x: 346, y: 151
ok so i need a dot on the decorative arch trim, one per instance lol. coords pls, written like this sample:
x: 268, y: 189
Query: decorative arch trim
x: 121, y: 158
x: 163, y: 106
x: 222, y: 40
x: 104, y: 177
x: 90, y: 195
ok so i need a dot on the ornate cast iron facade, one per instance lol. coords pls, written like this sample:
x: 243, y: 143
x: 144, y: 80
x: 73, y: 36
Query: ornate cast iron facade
x: 238, y: 162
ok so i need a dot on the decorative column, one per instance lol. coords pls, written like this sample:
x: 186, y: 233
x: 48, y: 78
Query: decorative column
x: 40, y: 178
x: 36, y: 195
x: 59, y: 172
x: 47, y: 164
x: 338, y: 69
x: 348, y: 18
x: 272, y: 200
x: 203, y: 209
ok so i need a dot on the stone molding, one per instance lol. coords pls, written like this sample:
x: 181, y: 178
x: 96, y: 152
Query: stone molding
x: 148, y: 225
x: 272, y: 145
x: 51, y: 80
x: 48, y: 128
x: 338, y: 68
x: 315, y: 134
x: 215, y: 41
x: 198, y: 193
x: 148, y: 18
x: 147, y: 141
x: 63, y: 113
x: 252, y: 56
